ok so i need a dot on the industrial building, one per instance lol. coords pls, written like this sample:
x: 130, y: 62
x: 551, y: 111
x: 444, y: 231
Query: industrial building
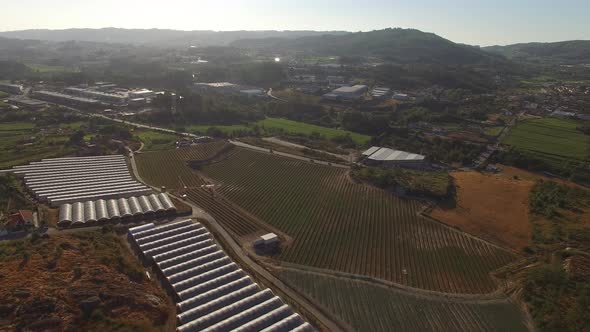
x: 25, y: 102
x: 401, y: 97
x: 11, y: 88
x: 212, y: 293
x: 124, y: 209
x: 346, y: 93
x: 68, y: 180
x: 60, y: 98
x: 227, y: 88
x: 380, y: 93
x: 141, y: 93
x: 389, y: 157
x: 109, y: 98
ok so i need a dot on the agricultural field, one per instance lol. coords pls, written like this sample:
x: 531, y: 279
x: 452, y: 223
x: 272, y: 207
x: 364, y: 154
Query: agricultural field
x: 493, y: 207
x: 155, y: 140
x: 552, y: 140
x: 294, y: 127
x: 83, y: 281
x: 370, y: 307
x: 22, y: 142
x: 41, y: 68
x: 336, y: 224
x: 271, y: 126
x: 176, y: 174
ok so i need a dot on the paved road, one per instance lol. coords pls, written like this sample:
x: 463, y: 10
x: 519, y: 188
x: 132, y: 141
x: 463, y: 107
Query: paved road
x: 288, y: 155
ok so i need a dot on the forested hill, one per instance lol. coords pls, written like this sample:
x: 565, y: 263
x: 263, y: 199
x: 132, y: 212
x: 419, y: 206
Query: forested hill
x: 398, y: 45
x: 567, y: 52
x: 155, y: 37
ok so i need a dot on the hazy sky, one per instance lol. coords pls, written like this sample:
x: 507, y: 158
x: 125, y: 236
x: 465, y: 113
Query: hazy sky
x: 467, y: 21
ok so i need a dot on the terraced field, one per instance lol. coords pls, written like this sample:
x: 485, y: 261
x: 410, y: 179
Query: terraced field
x: 349, y: 227
x: 368, y: 307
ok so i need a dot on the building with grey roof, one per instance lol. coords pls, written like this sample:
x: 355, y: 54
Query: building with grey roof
x: 376, y: 155
x: 347, y: 93
x: 211, y: 292
x: 74, y: 179
x: 25, y: 102
x: 90, y: 212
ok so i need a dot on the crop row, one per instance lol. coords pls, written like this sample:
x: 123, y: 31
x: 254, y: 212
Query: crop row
x: 169, y: 169
x: 369, y: 307
x: 340, y: 225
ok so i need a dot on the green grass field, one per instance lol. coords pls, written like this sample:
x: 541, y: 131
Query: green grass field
x: 228, y: 130
x: 494, y: 131
x: 371, y: 307
x: 21, y: 142
x: 294, y: 127
x: 155, y: 140
x: 551, y: 139
x: 270, y: 126
x: 50, y: 69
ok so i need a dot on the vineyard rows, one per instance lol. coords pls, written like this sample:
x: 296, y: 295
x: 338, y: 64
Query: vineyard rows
x: 353, y: 228
x: 368, y: 307
x: 168, y: 168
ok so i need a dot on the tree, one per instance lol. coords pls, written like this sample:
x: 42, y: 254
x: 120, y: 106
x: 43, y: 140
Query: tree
x: 77, y: 138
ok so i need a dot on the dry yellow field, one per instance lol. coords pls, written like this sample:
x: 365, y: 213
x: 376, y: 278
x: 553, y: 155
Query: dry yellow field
x: 493, y: 207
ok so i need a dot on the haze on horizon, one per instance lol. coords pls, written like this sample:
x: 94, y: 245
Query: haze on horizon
x: 472, y: 22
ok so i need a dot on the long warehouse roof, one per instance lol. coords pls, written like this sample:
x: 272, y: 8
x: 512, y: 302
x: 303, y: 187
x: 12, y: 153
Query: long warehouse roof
x: 212, y: 292
x: 73, y: 179
x: 386, y: 154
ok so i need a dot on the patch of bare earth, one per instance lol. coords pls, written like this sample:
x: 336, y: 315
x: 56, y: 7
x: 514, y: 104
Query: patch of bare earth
x: 84, y: 281
x: 491, y: 207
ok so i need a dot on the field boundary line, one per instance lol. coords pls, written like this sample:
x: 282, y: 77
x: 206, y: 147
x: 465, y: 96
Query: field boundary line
x: 422, y: 214
x: 497, y: 296
x: 287, y: 155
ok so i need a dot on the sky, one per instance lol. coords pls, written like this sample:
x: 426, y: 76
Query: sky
x: 475, y: 22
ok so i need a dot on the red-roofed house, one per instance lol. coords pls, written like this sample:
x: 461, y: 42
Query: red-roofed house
x: 23, y: 218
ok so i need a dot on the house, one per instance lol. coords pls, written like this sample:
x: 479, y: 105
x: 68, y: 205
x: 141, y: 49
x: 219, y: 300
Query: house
x: 20, y: 220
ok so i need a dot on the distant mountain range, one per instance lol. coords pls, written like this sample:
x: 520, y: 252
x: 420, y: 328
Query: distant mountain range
x: 404, y: 46
x: 566, y: 52
x: 398, y: 45
x: 156, y: 37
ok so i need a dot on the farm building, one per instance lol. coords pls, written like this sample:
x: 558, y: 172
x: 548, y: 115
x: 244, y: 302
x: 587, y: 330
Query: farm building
x: 60, y: 98
x: 212, y: 293
x: 346, y: 93
x: 67, y: 180
x: 380, y: 93
x: 101, y: 210
x: 11, y: 88
x: 25, y: 102
x: 389, y: 157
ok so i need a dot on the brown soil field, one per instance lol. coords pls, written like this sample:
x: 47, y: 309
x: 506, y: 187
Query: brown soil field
x: 83, y: 281
x: 493, y: 207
